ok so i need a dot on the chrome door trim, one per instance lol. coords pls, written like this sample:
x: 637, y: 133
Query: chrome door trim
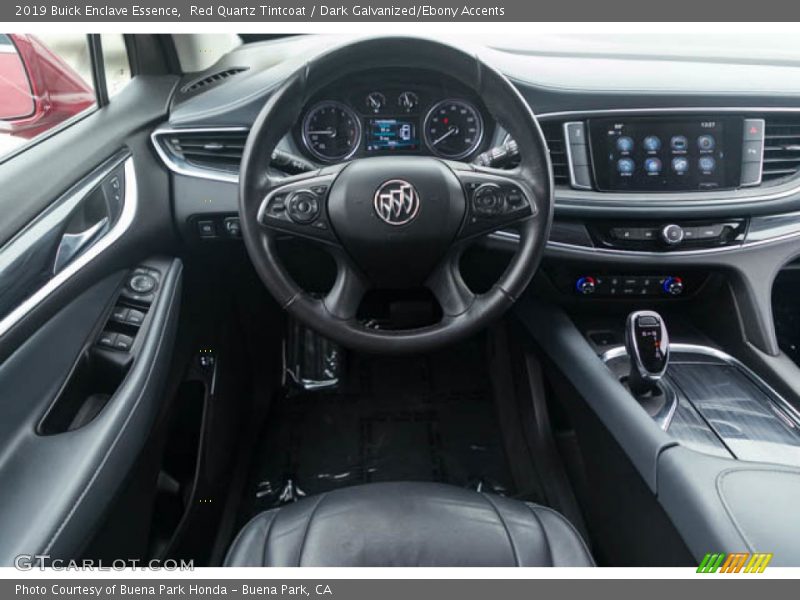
x: 44, y: 223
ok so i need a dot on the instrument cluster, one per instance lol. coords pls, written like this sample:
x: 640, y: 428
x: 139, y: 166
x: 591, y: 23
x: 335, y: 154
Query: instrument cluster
x: 366, y: 120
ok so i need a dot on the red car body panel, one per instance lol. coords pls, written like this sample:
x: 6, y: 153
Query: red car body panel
x: 55, y: 91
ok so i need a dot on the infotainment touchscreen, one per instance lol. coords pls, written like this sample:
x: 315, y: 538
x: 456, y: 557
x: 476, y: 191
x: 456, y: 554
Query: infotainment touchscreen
x: 392, y: 134
x: 654, y: 154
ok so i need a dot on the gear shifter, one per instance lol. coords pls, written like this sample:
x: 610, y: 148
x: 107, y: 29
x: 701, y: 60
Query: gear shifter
x: 647, y: 343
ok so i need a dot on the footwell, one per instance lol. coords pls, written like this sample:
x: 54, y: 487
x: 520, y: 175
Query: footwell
x: 427, y: 418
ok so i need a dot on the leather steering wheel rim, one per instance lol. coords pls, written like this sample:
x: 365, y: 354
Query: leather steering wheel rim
x: 533, y: 177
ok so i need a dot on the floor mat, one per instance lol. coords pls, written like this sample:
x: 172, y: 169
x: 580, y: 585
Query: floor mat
x: 428, y: 418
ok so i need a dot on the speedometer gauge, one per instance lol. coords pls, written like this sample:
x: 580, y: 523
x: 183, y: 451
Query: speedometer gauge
x: 453, y: 129
x: 331, y: 131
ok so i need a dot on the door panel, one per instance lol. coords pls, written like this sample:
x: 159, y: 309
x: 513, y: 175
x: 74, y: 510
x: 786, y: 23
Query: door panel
x: 63, y: 478
x: 83, y: 354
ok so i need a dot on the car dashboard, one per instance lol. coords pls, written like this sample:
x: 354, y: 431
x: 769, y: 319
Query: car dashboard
x: 665, y: 172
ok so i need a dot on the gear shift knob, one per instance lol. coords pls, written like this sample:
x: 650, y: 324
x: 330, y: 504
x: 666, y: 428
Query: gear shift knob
x: 647, y: 343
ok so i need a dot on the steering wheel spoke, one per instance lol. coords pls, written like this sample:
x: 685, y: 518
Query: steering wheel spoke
x: 496, y: 199
x: 448, y: 286
x: 298, y: 206
x: 344, y: 298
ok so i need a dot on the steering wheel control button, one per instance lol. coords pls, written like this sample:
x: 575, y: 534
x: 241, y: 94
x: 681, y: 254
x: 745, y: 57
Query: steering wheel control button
x: 672, y: 234
x: 488, y: 200
x: 515, y: 198
x: 303, y: 207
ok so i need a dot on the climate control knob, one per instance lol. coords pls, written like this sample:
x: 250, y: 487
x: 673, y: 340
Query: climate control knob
x: 586, y: 285
x: 672, y: 234
x: 673, y: 286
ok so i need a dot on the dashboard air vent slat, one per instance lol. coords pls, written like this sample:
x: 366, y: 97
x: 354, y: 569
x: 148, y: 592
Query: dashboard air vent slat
x: 781, y: 148
x: 220, y: 151
x: 554, y: 135
x: 209, y: 80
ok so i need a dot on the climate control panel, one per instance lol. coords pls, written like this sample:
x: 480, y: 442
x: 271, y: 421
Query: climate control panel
x: 630, y: 285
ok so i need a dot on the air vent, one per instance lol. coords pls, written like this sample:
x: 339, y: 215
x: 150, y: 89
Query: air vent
x: 554, y: 135
x: 218, y: 150
x: 209, y: 80
x: 782, y: 148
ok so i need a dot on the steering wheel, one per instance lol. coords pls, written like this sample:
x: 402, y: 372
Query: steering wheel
x: 396, y: 221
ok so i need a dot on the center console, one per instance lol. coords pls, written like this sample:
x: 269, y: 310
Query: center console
x: 704, y: 398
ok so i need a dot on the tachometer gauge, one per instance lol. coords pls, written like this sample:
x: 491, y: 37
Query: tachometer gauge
x: 453, y: 129
x: 331, y: 131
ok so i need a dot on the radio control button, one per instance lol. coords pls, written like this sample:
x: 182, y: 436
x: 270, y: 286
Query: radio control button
x: 672, y: 234
x: 580, y: 156
x: 709, y: 232
x: 582, y: 177
x: 576, y: 134
x: 752, y: 151
x: 751, y: 173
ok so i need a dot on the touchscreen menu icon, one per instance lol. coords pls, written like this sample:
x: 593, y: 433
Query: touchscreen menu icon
x: 625, y: 166
x: 707, y: 164
x: 680, y: 164
x: 652, y: 166
x: 706, y: 143
x: 652, y: 143
x: 625, y: 144
x: 679, y: 143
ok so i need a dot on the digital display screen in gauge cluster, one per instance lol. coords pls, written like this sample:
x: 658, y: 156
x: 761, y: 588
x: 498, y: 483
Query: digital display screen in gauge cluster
x: 665, y: 155
x: 387, y: 135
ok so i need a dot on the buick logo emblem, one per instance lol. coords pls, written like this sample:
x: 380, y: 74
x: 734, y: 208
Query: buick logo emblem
x: 396, y: 202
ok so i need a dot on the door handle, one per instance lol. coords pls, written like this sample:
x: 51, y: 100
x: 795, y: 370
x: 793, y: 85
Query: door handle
x: 72, y: 244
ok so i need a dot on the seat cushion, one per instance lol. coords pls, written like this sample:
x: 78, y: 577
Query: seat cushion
x: 408, y: 524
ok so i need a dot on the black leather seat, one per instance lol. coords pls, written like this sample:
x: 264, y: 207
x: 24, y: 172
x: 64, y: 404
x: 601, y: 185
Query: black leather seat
x: 408, y: 524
